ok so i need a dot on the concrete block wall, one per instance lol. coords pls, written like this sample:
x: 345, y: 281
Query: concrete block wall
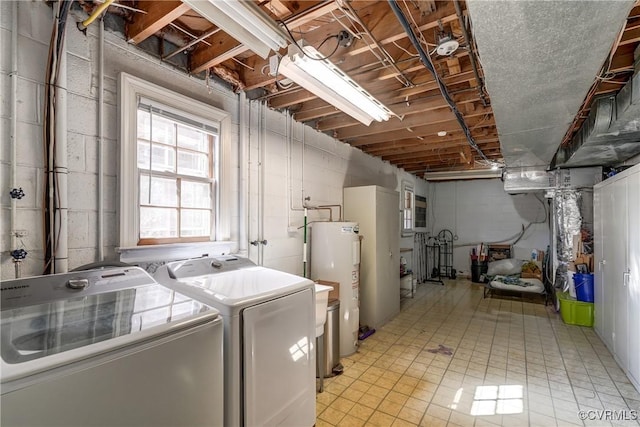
x: 286, y: 163
x: 481, y: 211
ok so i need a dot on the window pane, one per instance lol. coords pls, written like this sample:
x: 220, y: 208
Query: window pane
x: 195, y: 195
x: 144, y: 125
x: 192, y: 139
x: 194, y: 164
x: 144, y: 151
x: 163, y: 130
x: 195, y: 223
x: 158, y: 222
x: 164, y: 191
x: 163, y: 158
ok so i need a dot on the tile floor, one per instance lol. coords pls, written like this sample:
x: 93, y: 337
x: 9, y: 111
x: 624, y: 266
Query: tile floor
x: 513, y: 363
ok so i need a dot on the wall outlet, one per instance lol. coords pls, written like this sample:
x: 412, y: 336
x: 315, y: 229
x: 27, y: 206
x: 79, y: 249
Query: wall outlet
x: 21, y: 233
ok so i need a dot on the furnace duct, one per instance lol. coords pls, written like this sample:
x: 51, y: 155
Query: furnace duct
x: 568, y: 220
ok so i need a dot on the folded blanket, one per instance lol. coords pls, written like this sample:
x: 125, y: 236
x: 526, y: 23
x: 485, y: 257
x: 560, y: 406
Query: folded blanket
x: 512, y: 280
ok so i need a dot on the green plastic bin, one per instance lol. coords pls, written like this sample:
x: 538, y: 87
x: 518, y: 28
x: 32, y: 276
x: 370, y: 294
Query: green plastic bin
x: 575, y: 312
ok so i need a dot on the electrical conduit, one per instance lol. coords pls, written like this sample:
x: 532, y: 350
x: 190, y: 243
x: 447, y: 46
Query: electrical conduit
x: 101, y: 143
x: 61, y: 254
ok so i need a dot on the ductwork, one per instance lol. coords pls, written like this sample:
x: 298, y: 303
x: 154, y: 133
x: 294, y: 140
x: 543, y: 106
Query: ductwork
x: 532, y: 179
x: 611, y: 133
x: 528, y: 179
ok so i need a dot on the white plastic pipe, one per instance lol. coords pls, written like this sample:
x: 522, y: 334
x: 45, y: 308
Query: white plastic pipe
x: 14, y: 120
x: 262, y: 142
x: 243, y: 192
x: 61, y: 253
x: 101, y: 142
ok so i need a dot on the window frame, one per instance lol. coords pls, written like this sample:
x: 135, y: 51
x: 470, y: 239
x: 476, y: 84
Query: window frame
x: 407, y: 187
x: 130, y: 90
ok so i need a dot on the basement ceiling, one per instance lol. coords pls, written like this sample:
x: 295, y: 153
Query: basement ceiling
x: 383, y: 60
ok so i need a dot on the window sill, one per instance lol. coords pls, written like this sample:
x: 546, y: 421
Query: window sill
x: 173, y: 251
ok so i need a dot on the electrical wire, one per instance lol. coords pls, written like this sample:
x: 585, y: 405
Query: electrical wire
x: 426, y: 60
x: 302, y: 50
x: 51, y: 194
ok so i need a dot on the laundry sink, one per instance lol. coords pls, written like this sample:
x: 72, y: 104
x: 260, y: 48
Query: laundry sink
x: 322, y: 298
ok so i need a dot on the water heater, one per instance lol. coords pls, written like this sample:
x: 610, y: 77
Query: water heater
x: 335, y: 256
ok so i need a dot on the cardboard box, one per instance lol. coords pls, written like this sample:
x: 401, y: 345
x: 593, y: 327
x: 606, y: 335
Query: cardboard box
x: 333, y: 294
x: 585, y: 259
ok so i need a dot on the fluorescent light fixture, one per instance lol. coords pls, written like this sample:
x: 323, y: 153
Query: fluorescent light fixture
x: 457, y: 175
x: 318, y: 75
x: 244, y: 21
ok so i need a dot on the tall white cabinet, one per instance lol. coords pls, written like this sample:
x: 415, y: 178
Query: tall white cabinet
x: 617, y: 275
x: 376, y: 210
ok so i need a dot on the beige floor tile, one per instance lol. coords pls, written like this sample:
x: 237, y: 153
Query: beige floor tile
x: 342, y: 404
x: 393, y: 380
x: 398, y: 422
x: 391, y: 408
x: 332, y: 416
x: 370, y: 401
x: 380, y: 419
x: 351, y: 421
x: 411, y: 415
x: 431, y: 421
x: 361, y: 411
x: 325, y: 398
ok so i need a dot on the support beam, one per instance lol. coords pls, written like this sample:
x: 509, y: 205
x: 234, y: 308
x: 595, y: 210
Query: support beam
x: 434, y: 117
x: 156, y: 16
x: 420, y: 131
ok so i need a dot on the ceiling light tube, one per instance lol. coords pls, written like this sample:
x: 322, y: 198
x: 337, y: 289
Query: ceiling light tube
x: 322, y: 78
x: 244, y: 21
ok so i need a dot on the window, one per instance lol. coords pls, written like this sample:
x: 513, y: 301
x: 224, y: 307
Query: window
x: 176, y: 175
x: 172, y: 184
x: 407, y: 208
x: 421, y: 212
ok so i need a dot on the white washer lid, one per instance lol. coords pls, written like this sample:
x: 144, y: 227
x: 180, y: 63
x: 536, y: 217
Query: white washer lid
x: 61, y: 326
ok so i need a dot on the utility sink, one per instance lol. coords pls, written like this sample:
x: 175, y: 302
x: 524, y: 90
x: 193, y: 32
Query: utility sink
x: 322, y: 298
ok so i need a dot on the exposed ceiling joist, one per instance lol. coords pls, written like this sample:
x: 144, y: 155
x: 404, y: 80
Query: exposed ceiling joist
x: 153, y: 18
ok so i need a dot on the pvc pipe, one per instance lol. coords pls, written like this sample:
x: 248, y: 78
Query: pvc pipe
x: 243, y: 177
x: 14, y: 122
x: 263, y: 137
x: 61, y: 253
x: 101, y: 142
x: 95, y: 14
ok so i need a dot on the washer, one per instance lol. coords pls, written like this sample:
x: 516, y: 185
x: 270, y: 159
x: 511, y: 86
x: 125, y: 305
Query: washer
x: 108, y: 347
x: 269, y: 331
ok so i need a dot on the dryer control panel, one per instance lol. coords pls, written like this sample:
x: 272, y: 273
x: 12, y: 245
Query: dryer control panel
x: 203, y: 266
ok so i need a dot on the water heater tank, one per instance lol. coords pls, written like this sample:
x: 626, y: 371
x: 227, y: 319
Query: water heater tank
x: 335, y: 256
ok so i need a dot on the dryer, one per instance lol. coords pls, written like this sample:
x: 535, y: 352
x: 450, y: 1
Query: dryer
x: 269, y: 333
x: 108, y: 347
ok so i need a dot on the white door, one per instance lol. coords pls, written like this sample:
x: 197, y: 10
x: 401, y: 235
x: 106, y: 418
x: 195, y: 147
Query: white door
x: 598, y: 296
x: 633, y: 279
x: 607, y: 266
x: 616, y: 266
x: 279, y: 361
x: 388, y: 252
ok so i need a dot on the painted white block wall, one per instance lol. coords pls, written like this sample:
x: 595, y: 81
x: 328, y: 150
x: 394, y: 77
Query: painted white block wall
x: 287, y: 162
x: 481, y: 211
